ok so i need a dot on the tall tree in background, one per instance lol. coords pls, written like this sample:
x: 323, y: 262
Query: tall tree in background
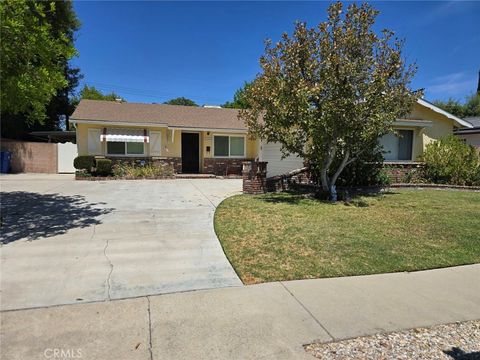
x: 240, y: 100
x: 37, y: 43
x: 328, y: 93
x: 92, y: 93
x: 181, y: 101
x: 63, y: 21
x: 470, y: 108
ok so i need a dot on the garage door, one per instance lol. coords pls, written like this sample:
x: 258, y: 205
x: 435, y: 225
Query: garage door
x: 276, y: 165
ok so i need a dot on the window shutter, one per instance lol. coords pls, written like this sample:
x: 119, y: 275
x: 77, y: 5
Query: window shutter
x: 155, y: 143
x: 94, y: 145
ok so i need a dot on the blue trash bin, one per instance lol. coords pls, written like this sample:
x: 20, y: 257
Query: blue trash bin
x: 5, y: 160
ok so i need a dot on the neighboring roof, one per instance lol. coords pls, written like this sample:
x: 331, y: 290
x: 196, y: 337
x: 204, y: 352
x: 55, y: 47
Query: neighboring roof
x: 157, y: 114
x: 475, y: 121
x: 429, y: 105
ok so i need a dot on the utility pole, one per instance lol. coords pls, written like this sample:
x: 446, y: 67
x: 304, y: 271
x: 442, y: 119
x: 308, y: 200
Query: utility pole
x: 478, y: 86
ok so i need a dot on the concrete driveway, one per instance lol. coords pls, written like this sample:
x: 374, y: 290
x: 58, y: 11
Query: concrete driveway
x: 67, y: 241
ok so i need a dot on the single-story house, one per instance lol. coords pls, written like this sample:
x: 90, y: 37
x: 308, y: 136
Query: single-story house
x: 213, y: 140
x: 471, y: 135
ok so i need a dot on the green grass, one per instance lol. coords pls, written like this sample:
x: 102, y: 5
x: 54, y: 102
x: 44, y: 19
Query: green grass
x: 287, y: 236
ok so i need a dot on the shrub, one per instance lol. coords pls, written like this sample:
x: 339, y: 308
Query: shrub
x: 145, y: 171
x: 83, y: 173
x: 451, y: 161
x: 382, y: 178
x: 367, y: 170
x: 104, y: 167
x: 84, y: 162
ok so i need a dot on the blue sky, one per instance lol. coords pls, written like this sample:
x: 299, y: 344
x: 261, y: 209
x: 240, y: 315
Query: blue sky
x: 155, y: 51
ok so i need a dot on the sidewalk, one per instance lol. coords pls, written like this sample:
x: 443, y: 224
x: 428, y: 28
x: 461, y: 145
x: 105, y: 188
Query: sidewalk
x: 268, y: 321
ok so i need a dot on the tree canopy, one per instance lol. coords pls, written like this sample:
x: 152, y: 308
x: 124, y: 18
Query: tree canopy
x: 240, y: 100
x: 470, y: 108
x: 92, y: 93
x: 328, y: 93
x: 35, y: 49
x: 181, y: 101
x: 63, y: 21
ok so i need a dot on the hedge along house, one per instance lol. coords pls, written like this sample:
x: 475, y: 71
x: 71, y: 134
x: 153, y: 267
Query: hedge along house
x: 191, y: 139
x: 215, y: 141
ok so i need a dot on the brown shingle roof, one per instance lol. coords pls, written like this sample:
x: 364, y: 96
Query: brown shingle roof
x: 171, y: 115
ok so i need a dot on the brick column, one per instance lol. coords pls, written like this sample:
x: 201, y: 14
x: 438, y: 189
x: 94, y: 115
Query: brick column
x: 254, y: 175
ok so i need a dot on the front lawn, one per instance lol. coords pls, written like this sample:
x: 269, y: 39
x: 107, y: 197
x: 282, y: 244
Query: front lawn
x: 287, y: 236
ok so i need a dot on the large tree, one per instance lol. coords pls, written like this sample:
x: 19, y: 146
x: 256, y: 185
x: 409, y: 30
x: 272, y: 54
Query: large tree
x: 181, y: 101
x: 240, y: 100
x: 34, y: 53
x: 63, y: 21
x: 331, y: 91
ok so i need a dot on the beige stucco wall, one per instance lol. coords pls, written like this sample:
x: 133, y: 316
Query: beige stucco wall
x: 441, y: 127
x: 169, y: 148
x: 207, y: 140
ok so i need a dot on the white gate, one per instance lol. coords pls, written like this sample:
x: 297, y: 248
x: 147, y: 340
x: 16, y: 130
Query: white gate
x: 66, y: 153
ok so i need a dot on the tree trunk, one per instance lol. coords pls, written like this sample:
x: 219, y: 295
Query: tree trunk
x: 329, y: 184
x: 325, y: 182
x: 333, y: 180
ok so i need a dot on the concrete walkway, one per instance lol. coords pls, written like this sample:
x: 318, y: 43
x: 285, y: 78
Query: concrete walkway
x: 67, y: 241
x: 267, y: 321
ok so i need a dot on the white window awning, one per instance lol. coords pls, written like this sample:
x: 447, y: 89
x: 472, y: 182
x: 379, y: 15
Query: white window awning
x: 125, y: 135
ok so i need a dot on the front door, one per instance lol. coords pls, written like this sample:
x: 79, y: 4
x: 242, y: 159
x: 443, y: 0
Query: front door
x: 190, y: 153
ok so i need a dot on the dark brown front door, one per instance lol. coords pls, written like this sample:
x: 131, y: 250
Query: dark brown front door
x: 190, y: 153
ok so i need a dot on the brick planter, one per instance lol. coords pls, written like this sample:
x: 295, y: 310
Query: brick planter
x: 223, y: 167
x: 403, y: 172
x: 254, y: 174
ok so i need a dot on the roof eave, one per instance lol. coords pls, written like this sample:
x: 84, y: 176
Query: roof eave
x: 112, y: 122
x: 137, y: 124
x: 459, y: 121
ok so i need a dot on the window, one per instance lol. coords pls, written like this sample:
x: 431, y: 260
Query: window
x: 397, y: 147
x: 220, y: 145
x: 228, y: 146
x: 134, y: 148
x: 125, y: 148
x: 116, y: 148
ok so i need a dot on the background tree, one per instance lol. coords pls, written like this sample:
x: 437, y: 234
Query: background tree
x: 63, y: 21
x: 181, y: 101
x: 92, y: 93
x: 37, y: 81
x: 330, y: 92
x: 471, y: 107
x: 452, y: 106
x: 240, y: 100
